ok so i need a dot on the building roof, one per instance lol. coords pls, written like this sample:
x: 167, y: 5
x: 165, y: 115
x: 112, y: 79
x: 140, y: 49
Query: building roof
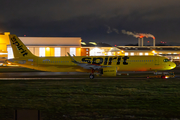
x: 173, y: 48
x: 51, y: 41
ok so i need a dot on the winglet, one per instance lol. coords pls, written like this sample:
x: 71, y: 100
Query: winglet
x: 72, y: 59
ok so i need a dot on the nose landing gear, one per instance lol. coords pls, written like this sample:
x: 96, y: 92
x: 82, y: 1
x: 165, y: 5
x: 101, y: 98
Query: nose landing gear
x: 91, y: 76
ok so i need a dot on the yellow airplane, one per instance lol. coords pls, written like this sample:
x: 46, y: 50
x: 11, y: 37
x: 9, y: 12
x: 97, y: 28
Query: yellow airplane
x: 105, y: 65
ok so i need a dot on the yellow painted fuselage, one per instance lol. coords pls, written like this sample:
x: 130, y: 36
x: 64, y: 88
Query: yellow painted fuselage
x: 122, y: 63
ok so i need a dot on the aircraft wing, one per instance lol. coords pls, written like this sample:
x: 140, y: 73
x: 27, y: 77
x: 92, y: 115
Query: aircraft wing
x: 86, y: 65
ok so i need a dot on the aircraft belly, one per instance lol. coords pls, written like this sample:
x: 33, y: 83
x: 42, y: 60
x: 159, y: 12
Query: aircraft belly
x: 62, y: 68
x: 136, y: 67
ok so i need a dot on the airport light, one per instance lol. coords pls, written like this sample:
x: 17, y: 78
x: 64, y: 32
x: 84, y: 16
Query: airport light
x: 146, y: 54
x: 83, y: 43
x: 92, y: 43
x: 122, y: 52
x: 153, y: 51
x: 140, y: 53
x: 126, y: 53
x: 47, y: 48
x: 132, y: 54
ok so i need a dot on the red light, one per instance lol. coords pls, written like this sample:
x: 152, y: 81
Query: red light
x: 148, y: 41
x: 115, y: 45
x: 141, y: 36
x: 153, y: 37
x: 163, y: 77
x: 24, y: 35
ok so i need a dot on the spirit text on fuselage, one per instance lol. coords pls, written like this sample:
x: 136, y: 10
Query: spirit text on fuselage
x: 106, y: 61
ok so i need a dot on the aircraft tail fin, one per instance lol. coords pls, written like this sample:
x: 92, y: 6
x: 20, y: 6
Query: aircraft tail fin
x: 19, y: 49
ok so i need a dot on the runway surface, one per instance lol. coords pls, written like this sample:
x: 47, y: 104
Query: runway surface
x: 50, y: 75
x: 39, y: 74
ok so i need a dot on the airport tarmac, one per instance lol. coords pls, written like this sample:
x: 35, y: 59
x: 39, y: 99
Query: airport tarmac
x: 23, y: 73
x: 38, y: 74
x: 63, y: 75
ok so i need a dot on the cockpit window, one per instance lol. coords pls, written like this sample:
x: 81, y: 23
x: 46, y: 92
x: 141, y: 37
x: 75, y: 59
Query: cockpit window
x: 166, y: 60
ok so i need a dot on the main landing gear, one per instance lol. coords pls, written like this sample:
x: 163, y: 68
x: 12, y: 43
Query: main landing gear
x: 91, y: 76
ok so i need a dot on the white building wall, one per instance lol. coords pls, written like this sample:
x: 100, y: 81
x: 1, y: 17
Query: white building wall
x: 63, y: 51
x: 67, y: 49
x: 10, y: 53
x: 73, y: 51
x: 42, y: 52
x: 36, y: 51
x: 57, y: 52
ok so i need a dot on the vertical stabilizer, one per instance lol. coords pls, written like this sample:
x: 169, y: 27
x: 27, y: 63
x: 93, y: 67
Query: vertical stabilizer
x: 19, y: 49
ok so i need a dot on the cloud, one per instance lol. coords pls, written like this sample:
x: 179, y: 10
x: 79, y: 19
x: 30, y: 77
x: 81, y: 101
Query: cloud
x: 116, y: 30
x: 109, y: 29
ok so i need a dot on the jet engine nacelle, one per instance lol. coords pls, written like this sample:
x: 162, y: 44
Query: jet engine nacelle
x: 108, y: 71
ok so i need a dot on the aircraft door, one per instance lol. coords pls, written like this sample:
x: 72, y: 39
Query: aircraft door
x: 156, y: 60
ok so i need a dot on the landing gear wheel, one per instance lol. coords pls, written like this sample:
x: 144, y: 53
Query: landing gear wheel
x: 91, y: 76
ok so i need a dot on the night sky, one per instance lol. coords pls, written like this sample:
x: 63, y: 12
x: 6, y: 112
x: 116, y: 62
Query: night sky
x: 93, y: 20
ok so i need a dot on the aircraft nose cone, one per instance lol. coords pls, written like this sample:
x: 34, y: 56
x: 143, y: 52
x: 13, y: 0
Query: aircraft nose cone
x: 172, y: 65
